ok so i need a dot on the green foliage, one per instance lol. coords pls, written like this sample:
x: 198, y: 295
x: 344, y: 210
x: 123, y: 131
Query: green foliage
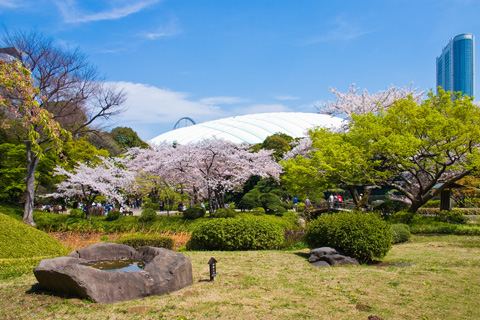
x: 451, y: 216
x: 390, y: 206
x: 150, y: 205
x: 432, y: 204
x: 112, y: 215
x: 400, y: 233
x: 148, y: 215
x: 127, y: 138
x: 77, y: 213
x: 138, y: 240
x: 271, y: 203
x: 258, y: 211
x: 278, y: 142
x: 194, y: 213
x: 13, y: 159
x: 359, y: 235
x: 404, y: 217
x: 146, y: 200
x: 225, y: 213
x: 17, y: 240
x: 250, y: 200
x: 236, y: 234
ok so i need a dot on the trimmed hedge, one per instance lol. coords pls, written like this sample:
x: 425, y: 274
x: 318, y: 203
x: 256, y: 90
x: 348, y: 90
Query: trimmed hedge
x: 236, y: 234
x: 363, y: 236
x: 77, y: 213
x: 390, y: 206
x: 138, y: 240
x: 112, y: 215
x: 225, y: 213
x: 194, y: 213
x: 18, y: 240
x: 148, y: 215
x: 400, y: 233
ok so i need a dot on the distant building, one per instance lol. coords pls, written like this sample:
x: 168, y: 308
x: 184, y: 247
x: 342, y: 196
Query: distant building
x: 455, y: 66
x: 251, y: 128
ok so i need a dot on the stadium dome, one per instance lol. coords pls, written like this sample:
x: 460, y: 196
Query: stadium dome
x: 252, y: 128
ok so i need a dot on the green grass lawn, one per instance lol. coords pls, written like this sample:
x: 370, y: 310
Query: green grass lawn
x: 429, y: 277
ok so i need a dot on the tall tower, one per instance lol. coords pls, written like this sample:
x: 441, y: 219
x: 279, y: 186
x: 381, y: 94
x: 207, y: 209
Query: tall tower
x: 455, y: 66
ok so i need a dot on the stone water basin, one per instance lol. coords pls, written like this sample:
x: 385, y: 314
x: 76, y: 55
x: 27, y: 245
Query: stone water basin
x: 163, y: 271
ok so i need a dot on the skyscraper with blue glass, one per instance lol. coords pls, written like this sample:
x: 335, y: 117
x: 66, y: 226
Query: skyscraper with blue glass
x: 455, y: 66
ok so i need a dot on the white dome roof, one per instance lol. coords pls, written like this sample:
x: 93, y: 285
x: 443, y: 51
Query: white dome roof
x: 252, y: 128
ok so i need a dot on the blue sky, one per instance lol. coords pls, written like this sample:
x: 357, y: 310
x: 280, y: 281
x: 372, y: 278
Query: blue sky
x: 209, y: 59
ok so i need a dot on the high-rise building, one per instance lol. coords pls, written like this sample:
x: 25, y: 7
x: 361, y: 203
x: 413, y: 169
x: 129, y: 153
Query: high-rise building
x: 455, y: 66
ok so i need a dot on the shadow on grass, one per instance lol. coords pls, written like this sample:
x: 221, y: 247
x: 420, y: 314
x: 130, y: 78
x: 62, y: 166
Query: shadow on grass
x: 36, y: 289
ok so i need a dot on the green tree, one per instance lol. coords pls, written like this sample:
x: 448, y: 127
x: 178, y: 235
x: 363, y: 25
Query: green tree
x: 278, y: 142
x: 32, y: 124
x: 410, y: 147
x: 127, y: 138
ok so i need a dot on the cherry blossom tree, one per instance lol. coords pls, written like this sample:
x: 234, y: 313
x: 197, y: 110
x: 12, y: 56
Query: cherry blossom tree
x: 107, y: 178
x: 220, y: 166
x: 156, y: 171
x: 353, y: 102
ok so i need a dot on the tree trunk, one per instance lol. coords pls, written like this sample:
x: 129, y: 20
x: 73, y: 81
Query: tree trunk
x: 32, y: 161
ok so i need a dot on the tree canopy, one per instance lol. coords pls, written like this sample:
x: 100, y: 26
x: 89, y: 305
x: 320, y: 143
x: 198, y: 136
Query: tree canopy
x: 418, y: 149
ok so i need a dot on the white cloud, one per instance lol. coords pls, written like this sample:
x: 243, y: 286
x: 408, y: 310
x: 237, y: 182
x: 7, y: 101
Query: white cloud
x: 171, y: 29
x: 287, y: 97
x: 342, y: 31
x: 222, y: 100
x: 10, y: 3
x: 72, y: 13
x: 149, y: 104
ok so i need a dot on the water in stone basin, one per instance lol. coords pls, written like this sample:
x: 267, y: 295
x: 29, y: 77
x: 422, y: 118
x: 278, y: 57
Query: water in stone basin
x: 117, y: 265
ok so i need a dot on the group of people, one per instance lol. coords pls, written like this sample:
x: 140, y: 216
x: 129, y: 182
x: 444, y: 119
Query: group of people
x: 335, y: 200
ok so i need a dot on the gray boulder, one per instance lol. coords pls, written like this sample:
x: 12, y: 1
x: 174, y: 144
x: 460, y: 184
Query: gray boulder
x: 165, y: 271
x: 321, y: 257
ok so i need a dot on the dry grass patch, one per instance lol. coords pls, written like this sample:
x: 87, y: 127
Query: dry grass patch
x: 442, y: 283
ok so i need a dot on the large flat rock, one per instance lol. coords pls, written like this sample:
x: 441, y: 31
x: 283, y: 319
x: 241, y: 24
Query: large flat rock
x: 165, y: 271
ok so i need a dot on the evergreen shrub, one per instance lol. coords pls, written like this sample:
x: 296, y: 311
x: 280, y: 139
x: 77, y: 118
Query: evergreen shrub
x: 270, y: 202
x: 359, y: 235
x: 225, y: 213
x: 390, y: 206
x: 432, y: 204
x: 194, y: 213
x: 77, y: 213
x: 402, y: 217
x: 236, y: 234
x: 451, y: 216
x: 148, y: 215
x: 400, y: 233
x: 258, y: 211
x: 150, y: 205
x: 112, y: 215
x: 138, y: 240
x: 18, y: 240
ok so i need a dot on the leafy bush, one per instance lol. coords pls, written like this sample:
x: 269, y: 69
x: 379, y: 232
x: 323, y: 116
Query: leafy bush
x: 194, y: 213
x: 258, y: 210
x: 360, y: 235
x: 270, y: 202
x: 225, y: 213
x: 148, y: 215
x: 236, y: 234
x: 250, y: 200
x: 451, y: 216
x: 77, y: 213
x: 150, y: 205
x: 432, y: 204
x: 404, y: 217
x: 113, y: 215
x: 400, y: 233
x: 138, y: 240
x: 18, y: 240
x: 390, y: 206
